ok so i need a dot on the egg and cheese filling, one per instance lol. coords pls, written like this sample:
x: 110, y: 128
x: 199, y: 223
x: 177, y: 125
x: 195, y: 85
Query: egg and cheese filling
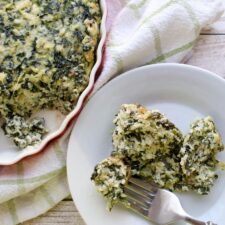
x: 110, y: 176
x: 142, y: 135
x: 198, y: 155
x: 47, y: 51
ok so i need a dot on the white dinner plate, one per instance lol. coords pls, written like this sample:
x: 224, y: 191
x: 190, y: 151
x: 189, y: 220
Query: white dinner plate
x: 56, y: 122
x: 182, y: 93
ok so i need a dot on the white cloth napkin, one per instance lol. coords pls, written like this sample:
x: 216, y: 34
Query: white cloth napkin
x: 142, y: 32
x: 155, y: 31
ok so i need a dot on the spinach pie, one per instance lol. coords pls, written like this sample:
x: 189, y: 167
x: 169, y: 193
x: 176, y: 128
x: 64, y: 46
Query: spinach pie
x: 47, y: 51
x: 147, y: 145
x: 142, y: 135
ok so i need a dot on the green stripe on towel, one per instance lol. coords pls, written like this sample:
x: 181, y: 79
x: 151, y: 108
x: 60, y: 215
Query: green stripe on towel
x: 157, y: 41
x: 33, y: 179
x: 159, y: 10
x: 12, y: 211
x: 59, y: 154
x: 20, y: 179
x: 137, y: 5
x: 172, y: 52
x: 47, y: 196
x: 192, y: 15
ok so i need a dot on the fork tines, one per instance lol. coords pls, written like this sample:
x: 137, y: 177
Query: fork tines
x: 140, y: 194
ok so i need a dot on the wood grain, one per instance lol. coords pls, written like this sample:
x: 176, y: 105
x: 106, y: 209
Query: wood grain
x: 217, y: 28
x: 65, y: 213
x: 209, y: 53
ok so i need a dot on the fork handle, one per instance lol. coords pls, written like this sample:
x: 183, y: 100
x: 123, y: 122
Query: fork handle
x: 198, y: 222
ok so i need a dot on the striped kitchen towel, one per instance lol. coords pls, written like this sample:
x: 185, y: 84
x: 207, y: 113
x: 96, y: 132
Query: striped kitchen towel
x: 140, y: 32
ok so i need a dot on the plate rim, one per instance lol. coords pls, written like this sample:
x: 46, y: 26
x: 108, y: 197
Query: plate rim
x: 75, y: 112
x: 110, y: 83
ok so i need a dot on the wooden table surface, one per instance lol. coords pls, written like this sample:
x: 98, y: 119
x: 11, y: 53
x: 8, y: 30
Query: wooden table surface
x: 209, y: 53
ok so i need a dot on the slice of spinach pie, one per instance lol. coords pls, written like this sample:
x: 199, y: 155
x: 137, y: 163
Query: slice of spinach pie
x: 198, y: 155
x: 142, y: 135
x: 47, y: 51
x: 110, y: 176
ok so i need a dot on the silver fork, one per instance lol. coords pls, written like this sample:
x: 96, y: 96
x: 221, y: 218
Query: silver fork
x: 157, y: 205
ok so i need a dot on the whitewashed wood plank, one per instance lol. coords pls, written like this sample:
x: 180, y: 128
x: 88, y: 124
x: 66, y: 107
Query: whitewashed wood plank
x: 209, y: 53
x: 218, y: 27
x: 65, y: 213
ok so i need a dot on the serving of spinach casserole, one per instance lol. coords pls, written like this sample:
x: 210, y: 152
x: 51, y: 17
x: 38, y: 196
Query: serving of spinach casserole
x: 47, y: 51
x: 146, y: 144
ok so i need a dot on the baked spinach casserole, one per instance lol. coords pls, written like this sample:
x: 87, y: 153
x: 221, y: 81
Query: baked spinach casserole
x: 147, y: 145
x: 47, y: 51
